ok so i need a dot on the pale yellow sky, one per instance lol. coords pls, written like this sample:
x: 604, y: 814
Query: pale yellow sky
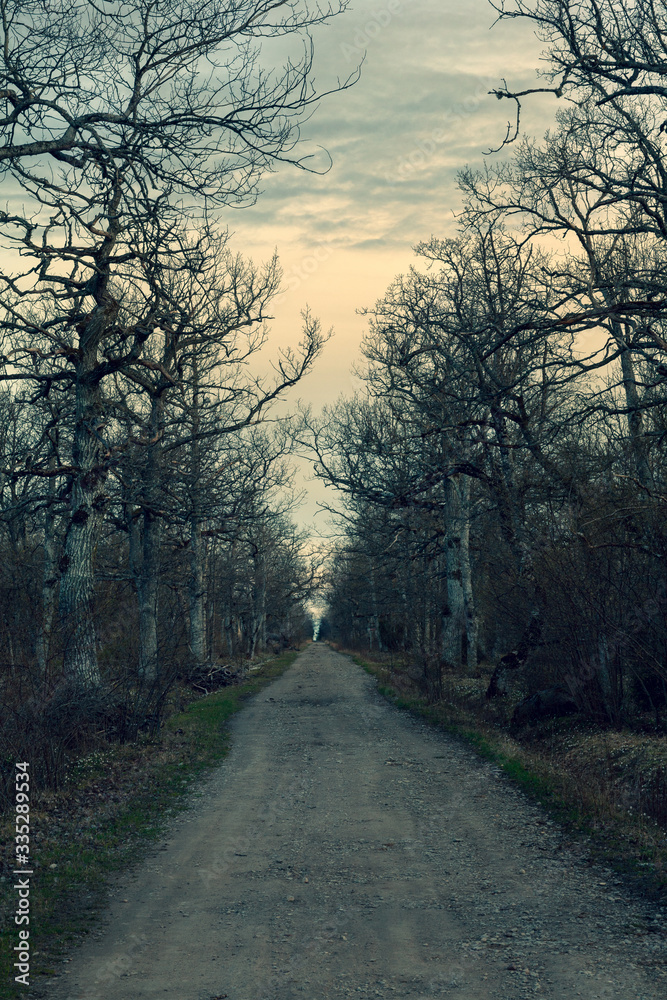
x: 420, y: 112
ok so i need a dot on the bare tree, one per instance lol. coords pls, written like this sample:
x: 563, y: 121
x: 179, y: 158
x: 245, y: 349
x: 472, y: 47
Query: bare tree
x: 190, y: 390
x: 120, y: 120
x: 606, y: 58
x: 173, y: 94
x: 610, y: 48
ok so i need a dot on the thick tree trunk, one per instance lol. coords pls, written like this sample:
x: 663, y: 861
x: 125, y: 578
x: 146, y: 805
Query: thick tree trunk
x: 212, y: 633
x: 374, y: 622
x: 148, y: 576
x: 607, y: 687
x: 635, y: 422
x: 197, y: 609
x: 197, y: 616
x: 229, y: 634
x: 410, y: 619
x: 453, y: 621
x: 49, y: 584
x: 259, y: 602
x: 76, y: 606
x: 471, y: 619
x: 77, y: 585
x: 512, y: 521
x: 148, y: 583
x: 230, y: 616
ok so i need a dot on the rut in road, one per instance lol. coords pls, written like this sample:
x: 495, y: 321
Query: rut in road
x: 344, y: 849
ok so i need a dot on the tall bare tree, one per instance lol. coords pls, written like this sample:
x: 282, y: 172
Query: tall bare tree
x: 120, y: 120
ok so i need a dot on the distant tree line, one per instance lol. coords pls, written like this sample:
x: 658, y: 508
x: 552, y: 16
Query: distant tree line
x: 504, y: 468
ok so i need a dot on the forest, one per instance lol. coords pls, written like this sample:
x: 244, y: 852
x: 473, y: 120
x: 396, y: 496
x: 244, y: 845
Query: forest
x: 498, y: 484
x: 145, y: 487
x: 503, y: 468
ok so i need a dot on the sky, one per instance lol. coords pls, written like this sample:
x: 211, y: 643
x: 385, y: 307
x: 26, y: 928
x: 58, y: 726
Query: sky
x: 420, y: 112
x: 394, y: 143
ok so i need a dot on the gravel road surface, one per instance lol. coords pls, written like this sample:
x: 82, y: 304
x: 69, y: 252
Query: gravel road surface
x: 344, y: 849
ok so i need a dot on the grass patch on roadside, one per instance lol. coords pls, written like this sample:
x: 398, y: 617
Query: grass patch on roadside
x: 630, y: 844
x: 116, y: 805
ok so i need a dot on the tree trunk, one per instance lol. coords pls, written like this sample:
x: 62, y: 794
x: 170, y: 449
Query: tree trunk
x: 148, y: 583
x: 471, y: 619
x: 259, y: 601
x: 507, y: 496
x: 148, y: 578
x: 410, y: 620
x: 76, y: 605
x: 77, y: 585
x: 212, y: 632
x: 635, y: 422
x: 197, y: 610
x: 374, y: 622
x: 49, y: 584
x: 453, y: 619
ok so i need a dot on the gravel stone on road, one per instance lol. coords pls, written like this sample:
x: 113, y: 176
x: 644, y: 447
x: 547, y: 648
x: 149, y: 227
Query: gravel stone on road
x: 345, y: 849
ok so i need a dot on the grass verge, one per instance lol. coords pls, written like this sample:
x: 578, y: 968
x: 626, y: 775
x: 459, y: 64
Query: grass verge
x: 633, y: 846
x: 116, y: 805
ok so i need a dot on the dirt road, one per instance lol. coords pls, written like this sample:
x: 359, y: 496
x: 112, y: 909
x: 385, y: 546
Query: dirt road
x: 344, y: 849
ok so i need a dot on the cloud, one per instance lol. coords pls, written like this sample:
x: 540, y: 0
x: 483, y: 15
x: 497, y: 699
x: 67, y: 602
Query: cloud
x: 397, y: 139
x: 420, y: 113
